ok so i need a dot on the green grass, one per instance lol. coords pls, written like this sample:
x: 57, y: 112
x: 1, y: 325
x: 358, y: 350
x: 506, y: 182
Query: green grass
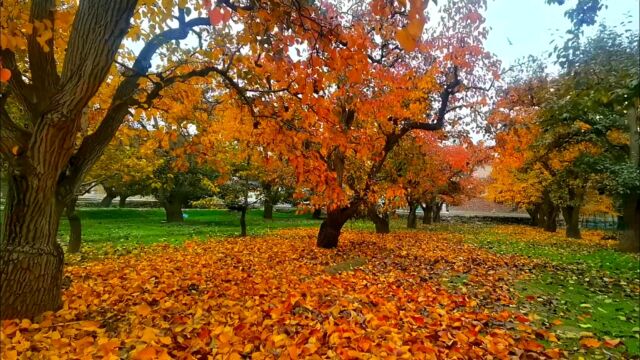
x: 147, y: 226
x: 589, y: 288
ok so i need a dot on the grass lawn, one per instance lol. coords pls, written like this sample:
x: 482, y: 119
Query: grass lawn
x: 147, y: 226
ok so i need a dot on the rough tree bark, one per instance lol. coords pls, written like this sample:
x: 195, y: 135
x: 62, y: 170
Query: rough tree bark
x: 427, y: 213
x: 412, y: 219
x: 381, y: 222
x: 40, y: 178
x: 75, y: 227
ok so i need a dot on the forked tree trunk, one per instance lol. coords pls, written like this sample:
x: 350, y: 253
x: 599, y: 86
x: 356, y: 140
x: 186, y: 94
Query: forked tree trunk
x: 122, y: 202
x: 243, y: 221
x: 427, y: 214
x: 571, y: 215
x: 173, y: 210
x: 380, y: 221
x: 412, y: 219
x: 331, y: 227
x: 630, y: 237
x: 31, y: 259
x: 75, y: 227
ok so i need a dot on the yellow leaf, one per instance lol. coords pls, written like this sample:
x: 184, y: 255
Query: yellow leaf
x: 148, y: 334
x: 143, y: 309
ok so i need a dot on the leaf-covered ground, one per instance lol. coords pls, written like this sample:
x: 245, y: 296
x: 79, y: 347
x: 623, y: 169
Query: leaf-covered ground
x: 411, y: 294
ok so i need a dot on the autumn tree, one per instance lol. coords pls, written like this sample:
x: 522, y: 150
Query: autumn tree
x: 76, y: 80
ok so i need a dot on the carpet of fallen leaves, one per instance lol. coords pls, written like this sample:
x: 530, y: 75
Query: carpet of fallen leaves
x: 278, y: 297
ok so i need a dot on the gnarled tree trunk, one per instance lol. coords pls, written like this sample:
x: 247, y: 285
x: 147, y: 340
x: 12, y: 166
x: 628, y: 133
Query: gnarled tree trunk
x: 108, y: 198
x: 571, y: 215
x: 122, y: 202
x: 332, y: 226
x: 380, y: 221
x: 427, y: 213
x: 75, y: 227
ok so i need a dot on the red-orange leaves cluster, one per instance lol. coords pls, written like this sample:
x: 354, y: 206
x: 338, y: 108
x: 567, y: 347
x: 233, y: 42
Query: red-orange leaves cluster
x: 279, y: 297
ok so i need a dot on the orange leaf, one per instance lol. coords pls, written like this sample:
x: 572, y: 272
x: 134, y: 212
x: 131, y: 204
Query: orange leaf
x: 143, y: 309
x: 147, y: 353
x: 590, y: 343
x: 5, y: 75
x: 89, y: 325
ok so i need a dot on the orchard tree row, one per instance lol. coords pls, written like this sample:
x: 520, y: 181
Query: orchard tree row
x: 568, y: 141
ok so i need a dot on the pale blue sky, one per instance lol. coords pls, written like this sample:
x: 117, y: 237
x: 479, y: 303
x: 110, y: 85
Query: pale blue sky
x: 531, y: 24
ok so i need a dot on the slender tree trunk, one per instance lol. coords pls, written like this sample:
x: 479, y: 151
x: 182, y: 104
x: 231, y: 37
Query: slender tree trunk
x: 437, y: 208
x: 268, y: 208
x: 75, y: 227
x: 427, y: 214
x: 412, y: 219
x: 122, y: 202
x: 317, y: 214
x: 571, y: 215
x: 332, y: 226
x: 549, y: 213
x: 173, y: 210
x: 31, y: 259
x: 630, y: 237
x: 380, y: 221
x: 243, y: 221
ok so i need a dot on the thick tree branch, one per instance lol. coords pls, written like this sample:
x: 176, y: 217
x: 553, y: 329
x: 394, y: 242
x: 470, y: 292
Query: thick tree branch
x: 42, y: 61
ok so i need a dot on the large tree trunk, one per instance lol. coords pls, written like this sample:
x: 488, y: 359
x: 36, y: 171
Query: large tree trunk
x: 332, y: 226
x: 427, y: 213
x: 75, y: 227
x: 31, y: 259
x: 173, y: 210
x: 412, y: 219
x: 380, y: 221
x: 630, y: 237
x: 122, y: 202
x: 571, y: 215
